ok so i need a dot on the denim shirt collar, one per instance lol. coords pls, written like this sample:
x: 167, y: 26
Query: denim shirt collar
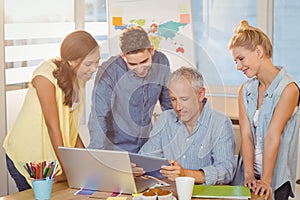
x: 251, y: 94
x: 275, y: 82
x: 252, y: 90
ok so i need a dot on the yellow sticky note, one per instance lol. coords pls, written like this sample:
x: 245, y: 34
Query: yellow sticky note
x: 183, y: 8
x: 116, y: 198
x: 136, y: 194
x: 117, y: 21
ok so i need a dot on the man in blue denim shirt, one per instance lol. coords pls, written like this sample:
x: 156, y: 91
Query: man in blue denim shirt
x: 197, y: 140
x: 126, y: 89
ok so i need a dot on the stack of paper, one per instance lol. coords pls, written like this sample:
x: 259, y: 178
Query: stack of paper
x: 221, y: 191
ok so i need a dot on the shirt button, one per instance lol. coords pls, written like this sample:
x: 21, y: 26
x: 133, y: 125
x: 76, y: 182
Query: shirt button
x: 184, y: 156
x: 187, y: 139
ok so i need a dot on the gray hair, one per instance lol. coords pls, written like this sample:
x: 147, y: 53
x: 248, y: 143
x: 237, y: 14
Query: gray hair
x: 191, y: 74
x: 133, y: 40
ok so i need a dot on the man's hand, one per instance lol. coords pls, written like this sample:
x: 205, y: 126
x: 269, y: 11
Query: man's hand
x: 137, y: 171
x: 173, y: 170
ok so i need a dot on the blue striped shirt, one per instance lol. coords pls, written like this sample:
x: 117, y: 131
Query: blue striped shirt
x: 210, y: 147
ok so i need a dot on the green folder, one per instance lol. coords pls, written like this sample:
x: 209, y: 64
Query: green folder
x: 221, y: 191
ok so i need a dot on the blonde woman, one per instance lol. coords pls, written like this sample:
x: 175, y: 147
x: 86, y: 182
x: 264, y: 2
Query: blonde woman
x: 268, y: 116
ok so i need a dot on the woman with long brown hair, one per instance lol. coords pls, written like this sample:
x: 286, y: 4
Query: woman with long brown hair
x: 53, y: 107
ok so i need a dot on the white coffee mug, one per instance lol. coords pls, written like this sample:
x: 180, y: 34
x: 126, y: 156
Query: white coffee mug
x: 184, y: 187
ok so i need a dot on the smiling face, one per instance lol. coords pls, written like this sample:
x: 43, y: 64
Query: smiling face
x: 140, y: 62
x: 246, y: 60
x: 88, y: 66
x: 185, y: 101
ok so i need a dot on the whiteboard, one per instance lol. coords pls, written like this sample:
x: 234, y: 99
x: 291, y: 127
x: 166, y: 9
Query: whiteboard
x: 168, y: 23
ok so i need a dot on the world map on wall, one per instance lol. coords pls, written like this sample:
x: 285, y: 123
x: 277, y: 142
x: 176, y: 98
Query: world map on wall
x: 160, y: 32
x: 169, y: 27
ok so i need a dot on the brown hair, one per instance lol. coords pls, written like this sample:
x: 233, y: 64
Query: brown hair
x: 249, y: 37
x: 76, y: 45
x: 133, y: 40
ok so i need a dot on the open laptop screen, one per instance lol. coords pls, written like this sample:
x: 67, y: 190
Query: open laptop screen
x: 101, y: 170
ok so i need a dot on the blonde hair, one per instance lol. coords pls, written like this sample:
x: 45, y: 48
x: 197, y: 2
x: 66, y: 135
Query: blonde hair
x: 249, y: 37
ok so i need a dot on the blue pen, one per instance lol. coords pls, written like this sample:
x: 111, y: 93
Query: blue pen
x: 52, y: 173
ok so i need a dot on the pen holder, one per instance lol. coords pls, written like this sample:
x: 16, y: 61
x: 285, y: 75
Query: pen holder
x: 42, y: 188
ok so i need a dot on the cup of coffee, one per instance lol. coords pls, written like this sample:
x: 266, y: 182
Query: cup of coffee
x: 149, y: 195
x: 155, y: 190
x: 165, y: 195
x: 184, y: 187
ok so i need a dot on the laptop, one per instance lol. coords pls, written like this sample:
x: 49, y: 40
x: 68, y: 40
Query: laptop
x: 102, y: 170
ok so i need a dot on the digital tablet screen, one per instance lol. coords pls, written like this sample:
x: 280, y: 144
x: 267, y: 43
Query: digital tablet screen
x: 148, y: 163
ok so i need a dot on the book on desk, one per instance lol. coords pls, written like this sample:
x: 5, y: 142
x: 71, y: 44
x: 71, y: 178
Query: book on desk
x: 221, y: 191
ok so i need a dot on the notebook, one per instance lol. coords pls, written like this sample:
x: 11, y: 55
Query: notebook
x: 101, y: 170
x: 221, y: 191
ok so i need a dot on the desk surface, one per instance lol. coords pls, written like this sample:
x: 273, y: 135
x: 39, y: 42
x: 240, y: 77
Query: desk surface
x: 62, y: 191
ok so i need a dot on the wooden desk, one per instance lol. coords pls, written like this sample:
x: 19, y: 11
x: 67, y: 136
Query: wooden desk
x: 62, y: 191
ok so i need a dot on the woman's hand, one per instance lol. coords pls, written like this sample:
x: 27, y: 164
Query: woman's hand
x: 263, y: 188
x: 60, y: 178
x: 251, y: 183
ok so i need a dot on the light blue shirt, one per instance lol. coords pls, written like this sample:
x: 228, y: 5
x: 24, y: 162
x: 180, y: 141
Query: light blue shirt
x: 123, y: 103
x: 210, y: 147
x: 286, y: 163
